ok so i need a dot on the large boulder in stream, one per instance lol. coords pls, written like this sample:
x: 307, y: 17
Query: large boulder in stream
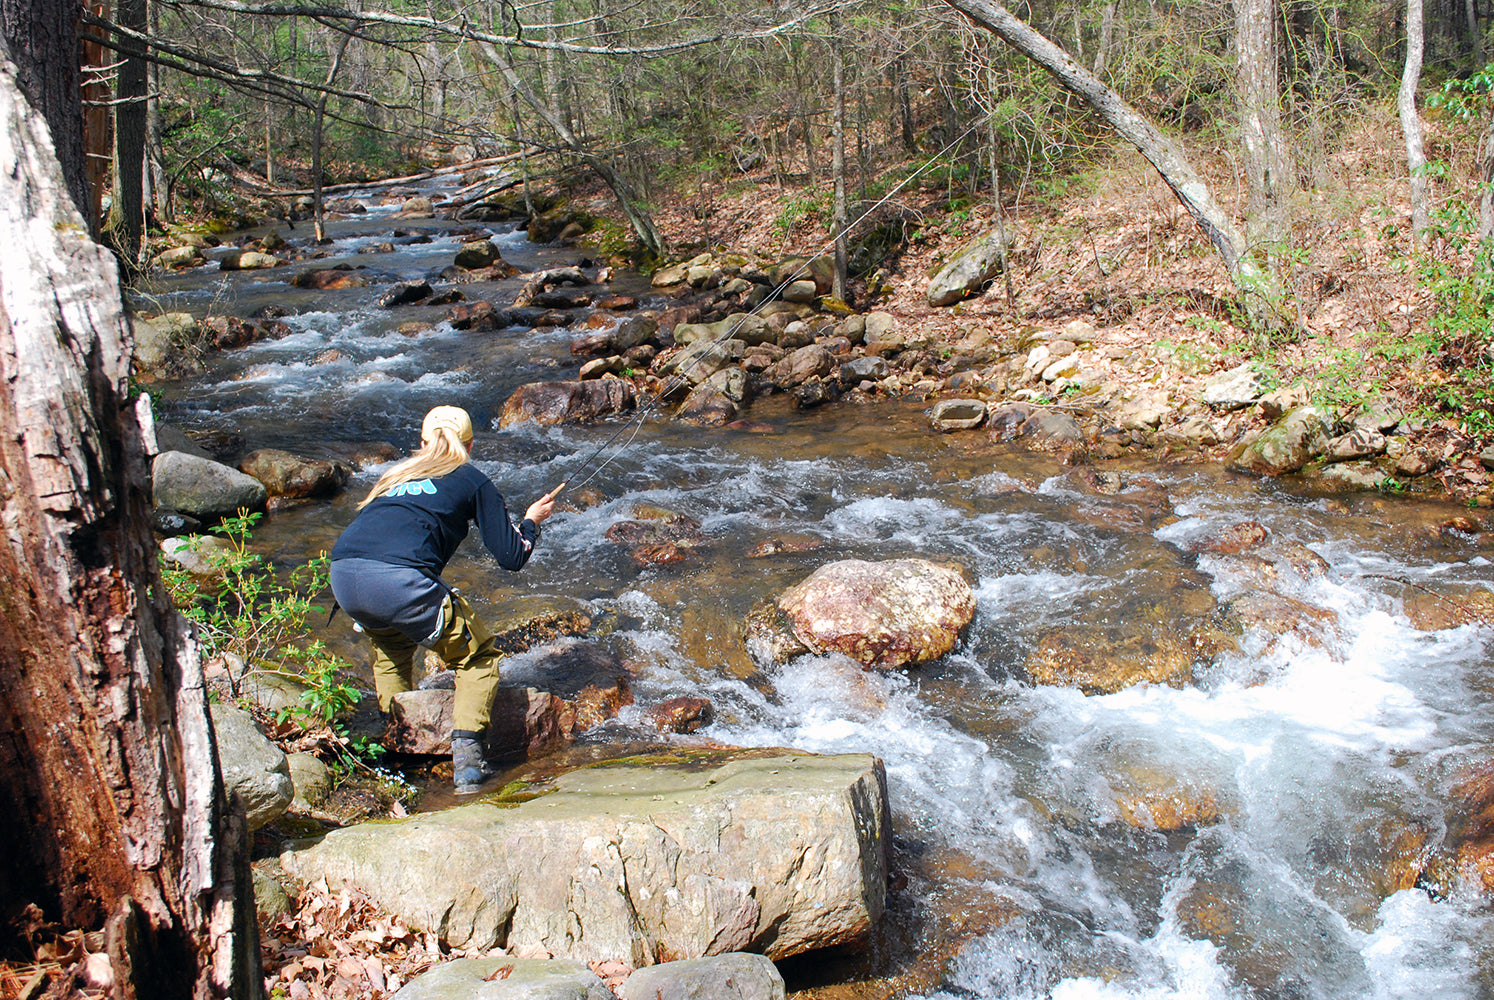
x: 665, y: 856
x: 567, y: 402
x: 203, y: 488
x: 880, y: 614
x: 718, y: 400
x: 506, y: 978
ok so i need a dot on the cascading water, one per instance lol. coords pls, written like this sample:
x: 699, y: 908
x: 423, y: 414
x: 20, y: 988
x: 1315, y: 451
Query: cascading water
x: 1310, y: 761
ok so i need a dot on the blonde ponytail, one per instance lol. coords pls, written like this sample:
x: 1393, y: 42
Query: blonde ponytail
x: 443, y: 448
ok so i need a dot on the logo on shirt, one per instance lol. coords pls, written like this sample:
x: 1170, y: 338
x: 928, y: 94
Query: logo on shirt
x: 413, y: 489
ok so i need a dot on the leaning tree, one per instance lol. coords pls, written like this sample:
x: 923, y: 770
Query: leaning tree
x: 114, y: 805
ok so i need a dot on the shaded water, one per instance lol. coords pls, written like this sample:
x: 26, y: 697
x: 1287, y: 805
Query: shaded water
x: 1327, y: 754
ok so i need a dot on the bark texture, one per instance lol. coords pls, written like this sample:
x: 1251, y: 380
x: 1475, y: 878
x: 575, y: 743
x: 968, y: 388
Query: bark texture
x: 1416, y: 159
x: 107, y: 764
x: 1267, y: 165
x: 42, y: 41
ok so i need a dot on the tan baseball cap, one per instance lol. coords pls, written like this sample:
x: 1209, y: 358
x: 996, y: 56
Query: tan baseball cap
x: 452, y: 418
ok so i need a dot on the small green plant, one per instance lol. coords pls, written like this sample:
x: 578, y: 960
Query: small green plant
x: 244, y: 610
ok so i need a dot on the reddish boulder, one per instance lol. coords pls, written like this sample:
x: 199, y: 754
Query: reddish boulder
x: 567, y: 402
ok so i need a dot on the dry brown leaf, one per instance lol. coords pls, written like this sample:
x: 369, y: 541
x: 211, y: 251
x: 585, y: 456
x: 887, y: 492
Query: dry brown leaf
x: 502, y: 972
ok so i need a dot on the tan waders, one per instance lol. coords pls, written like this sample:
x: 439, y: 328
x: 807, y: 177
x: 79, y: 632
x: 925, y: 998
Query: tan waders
x: 470, y: 650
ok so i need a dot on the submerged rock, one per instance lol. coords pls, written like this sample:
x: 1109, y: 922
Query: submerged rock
x: 1103, y: 660
x: 881, y: 614
x: 670, y: 857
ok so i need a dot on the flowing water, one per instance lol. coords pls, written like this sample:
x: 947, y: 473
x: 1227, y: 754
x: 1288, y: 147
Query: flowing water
x: 1327, y: 754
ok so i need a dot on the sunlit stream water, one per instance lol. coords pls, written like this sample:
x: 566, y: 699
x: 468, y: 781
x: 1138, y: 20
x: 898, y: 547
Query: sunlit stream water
x: 1019, y: 873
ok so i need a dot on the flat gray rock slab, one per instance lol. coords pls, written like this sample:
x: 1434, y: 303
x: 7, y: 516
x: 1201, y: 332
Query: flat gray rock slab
x: 738, y: 976
x: 695, y: 853
x: 506, y: 979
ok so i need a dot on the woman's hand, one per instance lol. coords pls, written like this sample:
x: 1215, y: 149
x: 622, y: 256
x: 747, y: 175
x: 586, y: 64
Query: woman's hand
x: 541, y: 509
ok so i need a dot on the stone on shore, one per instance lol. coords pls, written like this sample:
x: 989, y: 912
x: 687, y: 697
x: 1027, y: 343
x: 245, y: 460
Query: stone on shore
x: 968, y: 271
x: 1235, y: 389
x: 1285, y: 446
x: 678, y: 856
x: 254, y: 769
x: 203, y: 488
x: 881, y: 614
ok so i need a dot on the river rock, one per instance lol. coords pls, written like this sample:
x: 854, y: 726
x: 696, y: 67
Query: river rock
x: 1235, y: 389
x: 737, y: 976
x: 478, y: 253
x: 1352, y: 477
x: 418, y: 207
x: 294, y: 477
x: 683, y: 855
x: 330, y: 279
x: 718, y: 400
x: 311, y: 782
x: 957, y: 415
x: 702, y: 359
x: 858, y: 370
x: 506, y: 979
x: 684, y: 714
x: 820, y: 270
x: 656, y: 536
x: 1231, y: 539
x: 478, y: 316
x: 1361, y: 442
x: 750, y: 329
x: 405, y: 293
x: 798, y: 367
x: 160, y: 340
x: 881, y: 614
x: 1103, y: 660
x: 1048, y: 430
x: 968, y: 271
x: 567, y: 402
x: 248, y: 260
x: 177, y: 258
x: 1286, y: 445
x: 228, y: 332
x: 584, y: 687
x: 205, y: 489
x: 254, y: 769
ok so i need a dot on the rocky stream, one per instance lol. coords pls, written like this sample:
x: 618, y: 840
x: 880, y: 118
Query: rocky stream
x: 1206, y: 734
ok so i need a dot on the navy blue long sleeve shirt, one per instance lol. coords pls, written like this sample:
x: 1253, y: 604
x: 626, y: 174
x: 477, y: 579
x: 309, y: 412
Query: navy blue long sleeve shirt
x: 421, y: 523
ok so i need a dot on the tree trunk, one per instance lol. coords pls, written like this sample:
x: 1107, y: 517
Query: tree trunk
x: 838, y: 158
x: 1267, y: 166
x: 1486, y: 175
x: 41, y: 38
x: 1107, y: 38
x: 127, y: 217
x: 1261, y: 297
x: 1475, y: 40
x: 108, y: 771
x: 1416, y: 160
x: 318, y: 211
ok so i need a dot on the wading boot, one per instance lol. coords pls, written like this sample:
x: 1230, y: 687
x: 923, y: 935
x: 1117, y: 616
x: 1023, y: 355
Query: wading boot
x: 469, y: 768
